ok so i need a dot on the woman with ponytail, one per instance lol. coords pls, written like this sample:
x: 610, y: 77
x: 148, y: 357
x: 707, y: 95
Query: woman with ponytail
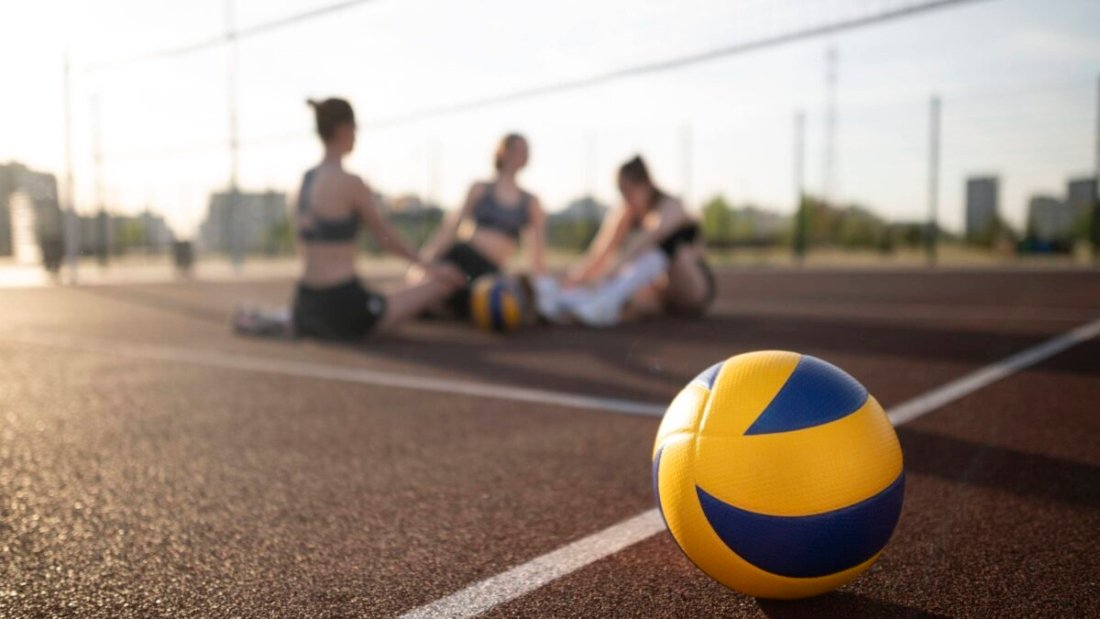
x: 330, y: 301
x: 646, y: 258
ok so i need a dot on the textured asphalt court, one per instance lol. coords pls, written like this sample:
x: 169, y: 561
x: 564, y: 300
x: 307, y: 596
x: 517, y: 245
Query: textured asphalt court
x: 142, y: 486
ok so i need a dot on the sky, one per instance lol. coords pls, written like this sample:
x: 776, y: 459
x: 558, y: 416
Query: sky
x: 1018, y: 81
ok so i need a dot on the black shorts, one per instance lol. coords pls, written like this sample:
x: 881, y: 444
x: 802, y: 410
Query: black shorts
x: 685, y: 235
x: 473, y: 265
x: 341, y: 312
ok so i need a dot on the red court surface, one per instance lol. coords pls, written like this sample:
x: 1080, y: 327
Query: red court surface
x: 152, y: 465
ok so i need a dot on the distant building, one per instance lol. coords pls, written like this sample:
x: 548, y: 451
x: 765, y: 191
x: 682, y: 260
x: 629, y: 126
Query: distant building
x: 96, y: 234
x: 1081, y: 195
x: 581, y: 209
x: 157, y: 235
x: 982, y: 202
x: 251, y: 222
x: 105, y: 234
x: 29, y: 209
x: 1050, y: 219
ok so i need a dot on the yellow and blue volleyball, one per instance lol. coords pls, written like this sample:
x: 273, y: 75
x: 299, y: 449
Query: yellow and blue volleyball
x: 778, y: 474
x: 496, y: 303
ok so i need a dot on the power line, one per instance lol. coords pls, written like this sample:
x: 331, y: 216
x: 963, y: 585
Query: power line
x: 828, y: 160
x: 226, y: 37
x: 576, y: 84
x: 661, y: 66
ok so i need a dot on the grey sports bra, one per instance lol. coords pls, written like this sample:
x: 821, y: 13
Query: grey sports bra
x: 315, y: 229
x: 510, y: 220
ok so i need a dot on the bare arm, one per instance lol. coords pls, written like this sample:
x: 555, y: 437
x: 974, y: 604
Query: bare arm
x: 670, y: 217
x: 295, y: 219
x: 384, y: 232
x: 610, y: 237
x: 535, y: 237
x: 445, y: 237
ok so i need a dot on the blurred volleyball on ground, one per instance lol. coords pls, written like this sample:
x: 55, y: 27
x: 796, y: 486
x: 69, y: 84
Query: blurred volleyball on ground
x: 497, y: 303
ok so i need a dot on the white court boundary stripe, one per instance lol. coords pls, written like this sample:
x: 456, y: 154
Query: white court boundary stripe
x: 920, y: 405
x: 518, y: 581
x: 251, y: 363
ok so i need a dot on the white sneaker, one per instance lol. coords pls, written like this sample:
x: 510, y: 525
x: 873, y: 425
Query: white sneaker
x: 253, y: 321
x: 547, y: 297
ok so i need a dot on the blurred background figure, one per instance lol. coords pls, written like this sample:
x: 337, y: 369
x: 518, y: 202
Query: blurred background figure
x: 647, y: 258
x: 496, y: 217
x: 330, y: 301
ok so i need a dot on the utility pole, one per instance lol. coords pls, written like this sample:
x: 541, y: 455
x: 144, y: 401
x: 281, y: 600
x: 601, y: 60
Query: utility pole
x: 235, y: 219
x: 102, y: 224
x: 933, y: 232
x: 800, y: 214
x: 433, y: 173
x: 685, y: 154
x: 590, y: 165
x: 828, y: 172
x: 69, y: 220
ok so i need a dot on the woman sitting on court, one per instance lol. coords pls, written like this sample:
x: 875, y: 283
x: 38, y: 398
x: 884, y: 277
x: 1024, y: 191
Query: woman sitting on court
x: 331, y: 302
x: 492, y: 221
x: 646, y: 258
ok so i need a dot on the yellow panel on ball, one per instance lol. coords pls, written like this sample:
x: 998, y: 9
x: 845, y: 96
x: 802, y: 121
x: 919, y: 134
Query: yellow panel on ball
x: 495, y: 303
x: 778, y: 474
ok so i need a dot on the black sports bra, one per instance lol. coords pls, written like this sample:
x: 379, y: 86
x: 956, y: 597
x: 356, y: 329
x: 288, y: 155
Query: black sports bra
x: 510, y: 220
x: 314, y: 229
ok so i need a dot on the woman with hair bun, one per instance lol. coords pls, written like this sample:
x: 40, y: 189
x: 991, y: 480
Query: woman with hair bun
x: 646, y: 258
x: 330, y: 301
x: 484, y: 235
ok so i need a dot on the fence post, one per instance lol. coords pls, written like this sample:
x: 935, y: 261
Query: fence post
x: 800, y: 214
x: 932, y: 234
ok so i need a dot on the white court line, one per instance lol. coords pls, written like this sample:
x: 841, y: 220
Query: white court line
x: 251, y: 363
x: 518, y: 581
x: 484, y: 595
x: 910, y: 410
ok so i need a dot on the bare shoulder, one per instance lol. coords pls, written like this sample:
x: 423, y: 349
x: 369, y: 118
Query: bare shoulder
x: 353, y: 181
x: 532, y: 199
x: 478, y: 189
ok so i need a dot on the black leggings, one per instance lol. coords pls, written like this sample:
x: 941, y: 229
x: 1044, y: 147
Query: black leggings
x: 472, y: 264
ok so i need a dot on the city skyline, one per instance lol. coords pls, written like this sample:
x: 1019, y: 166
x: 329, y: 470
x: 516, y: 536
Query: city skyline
x: 1021, y: 105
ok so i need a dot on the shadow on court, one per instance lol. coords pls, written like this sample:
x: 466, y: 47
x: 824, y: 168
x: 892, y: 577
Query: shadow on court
x: 859, y: 337
x: 842, y: 605
x: 1035, y: 476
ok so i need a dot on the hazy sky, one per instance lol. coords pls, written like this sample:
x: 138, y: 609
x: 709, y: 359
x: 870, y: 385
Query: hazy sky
x: 1018, y: 79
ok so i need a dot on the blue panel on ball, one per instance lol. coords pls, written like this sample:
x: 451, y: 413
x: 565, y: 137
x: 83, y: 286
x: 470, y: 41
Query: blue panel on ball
x: 495, y: 306
x: 808, y: 546
x: 709, y: 375
x: 816, y: 393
